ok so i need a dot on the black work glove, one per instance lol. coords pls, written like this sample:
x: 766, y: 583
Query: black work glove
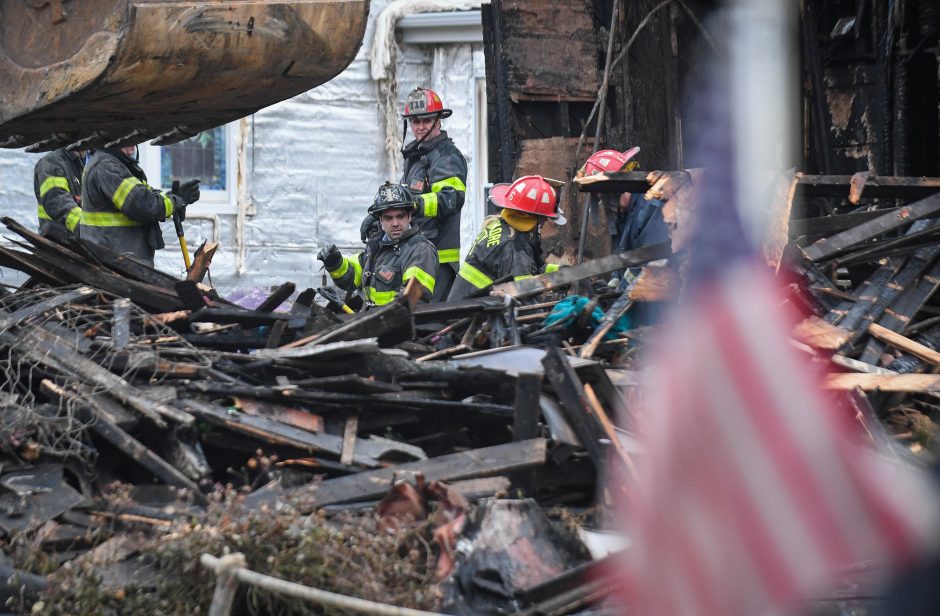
x: 332, y: 258
x: 188, y: 191
x: 179, y: 207
x: 368, y: 228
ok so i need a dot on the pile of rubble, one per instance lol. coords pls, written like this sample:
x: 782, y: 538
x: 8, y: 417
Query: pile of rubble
x: 141, y: 412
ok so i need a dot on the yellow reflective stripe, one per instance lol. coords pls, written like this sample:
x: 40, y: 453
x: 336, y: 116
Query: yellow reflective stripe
x: 474, y: 276
x: 120, y: 195
x: 423, y: 277
x: 107, y: 219
x: 448, y: 255
x: 552, y: 267
x: 75, y: 215
x: 523, y: 277
x: 340, y: 271
x: 169, y: 205
x: 357, y: 269
x: 453, y: 182
x: 54, y: 181
x: 42, y: 213
x: 430, y: 204
x: 380, y: 297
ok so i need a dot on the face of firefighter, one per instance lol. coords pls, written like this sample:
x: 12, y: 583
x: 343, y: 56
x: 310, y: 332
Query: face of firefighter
x: 130, y: 151
x: 425, y: 128
x: 395, y: 222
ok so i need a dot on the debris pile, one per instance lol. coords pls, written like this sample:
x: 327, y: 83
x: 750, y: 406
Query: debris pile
x: 147, y: 420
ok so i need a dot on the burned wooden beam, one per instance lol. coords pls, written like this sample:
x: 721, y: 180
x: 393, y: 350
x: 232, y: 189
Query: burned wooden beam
x: 566, y: 275
x: 277, y: 297
x: 48, y: 349
x: 831, y: 246
x: 369, y: 485
x: 574, y: 402
x: 102, y: 425
x: 890, y: 187
x: 366, y: 452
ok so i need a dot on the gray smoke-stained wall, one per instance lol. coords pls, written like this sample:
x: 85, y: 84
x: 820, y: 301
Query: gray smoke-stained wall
x: 311, y: 166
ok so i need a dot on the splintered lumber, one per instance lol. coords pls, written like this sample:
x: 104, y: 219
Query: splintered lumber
x: 575, y: 404
x: 366, y: 452
x: 201, y: 261
x: 121, y: 323
x: 902, y: 383
x: 533, y: 286
x: 46, y: 348
x: 905, y: 344
x: 65, y: 264
x: 820, y: 334
x: 369, y: 485
x: 778, y: 219
x: 102, y: 425
x: 609, y: 429
x: 831, y: 246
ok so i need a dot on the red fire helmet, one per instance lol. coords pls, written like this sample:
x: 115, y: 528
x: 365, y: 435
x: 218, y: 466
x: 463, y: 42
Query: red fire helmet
x: 531, y: 194
x: 604, y: 161
x: 423, y: 103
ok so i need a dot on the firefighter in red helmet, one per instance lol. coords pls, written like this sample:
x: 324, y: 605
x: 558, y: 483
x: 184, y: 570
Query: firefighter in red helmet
x: 510, y: 244
x: 435, y: 172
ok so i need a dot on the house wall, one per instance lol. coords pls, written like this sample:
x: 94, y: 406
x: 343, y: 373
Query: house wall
x: 312, y: 166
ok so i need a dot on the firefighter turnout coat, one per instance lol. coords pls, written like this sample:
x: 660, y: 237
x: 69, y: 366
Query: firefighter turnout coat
x: 384, y: 267
x: 499, y: 251
x: 119, y: 209
x: 437, y: 171
x: 58, y: 187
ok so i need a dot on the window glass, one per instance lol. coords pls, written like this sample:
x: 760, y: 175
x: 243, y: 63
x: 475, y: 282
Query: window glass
x: 201, y: 156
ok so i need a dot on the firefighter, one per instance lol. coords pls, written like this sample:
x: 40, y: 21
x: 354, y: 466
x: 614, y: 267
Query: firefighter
x: 435, y: 172
x: 635, y: 222
x: 121, y: 211
x: 58, y: 187
x: 391, y: 258
x: 510, y: 244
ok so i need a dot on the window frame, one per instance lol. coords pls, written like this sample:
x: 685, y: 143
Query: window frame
x: 210, y: 201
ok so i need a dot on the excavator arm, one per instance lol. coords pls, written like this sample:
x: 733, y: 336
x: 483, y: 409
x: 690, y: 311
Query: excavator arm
x: 85, y: 74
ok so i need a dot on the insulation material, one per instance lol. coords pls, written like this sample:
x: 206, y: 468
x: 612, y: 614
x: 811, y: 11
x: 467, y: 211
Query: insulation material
x: 383, y: 63
x: 313, y: 164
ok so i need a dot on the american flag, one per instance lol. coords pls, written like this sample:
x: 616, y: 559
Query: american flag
x: 755, y: 491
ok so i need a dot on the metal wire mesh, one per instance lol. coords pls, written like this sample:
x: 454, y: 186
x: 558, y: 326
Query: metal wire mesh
x: 87, y: 327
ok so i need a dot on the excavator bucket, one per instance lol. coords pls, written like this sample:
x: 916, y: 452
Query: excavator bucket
x: 118, y: 72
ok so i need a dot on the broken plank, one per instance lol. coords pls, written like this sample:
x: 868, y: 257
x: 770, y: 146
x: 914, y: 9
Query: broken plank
x: 901, y: 383
x: 27, y: 312
x: 905, y: 344
x: 566, y: 275
x: 121, y: 323
x: 374, y: 484
x: 367, y: 452
x: 831, y: 246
